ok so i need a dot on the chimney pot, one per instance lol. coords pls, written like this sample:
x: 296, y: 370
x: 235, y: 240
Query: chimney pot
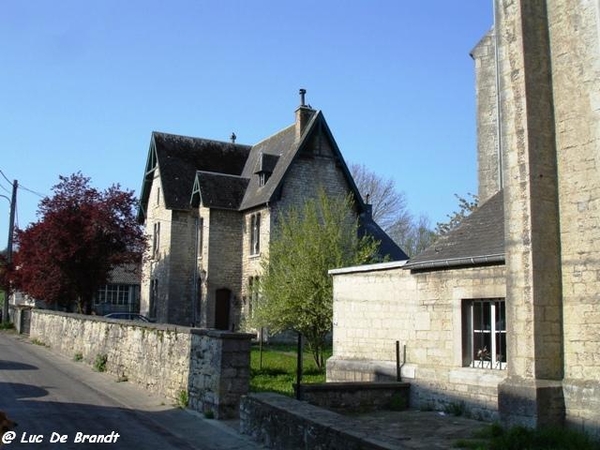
x: 302, y: 99
x: 233, y: 137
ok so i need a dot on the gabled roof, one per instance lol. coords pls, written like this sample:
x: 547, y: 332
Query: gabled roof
x: 218, y: 190
x: 179, y: 158
x: 224, y: 175
x: 478, y: 240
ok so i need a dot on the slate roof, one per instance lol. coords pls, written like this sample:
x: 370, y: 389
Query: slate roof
x: 478, y: 240
x: 220, y: 190
x: 387, y: 246
x: 181, y: 157
x: 282, y: 146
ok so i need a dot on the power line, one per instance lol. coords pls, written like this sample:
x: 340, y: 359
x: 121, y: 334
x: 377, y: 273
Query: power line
x: 5, y: 177
x: 31, y: 191
x: 20, y: 186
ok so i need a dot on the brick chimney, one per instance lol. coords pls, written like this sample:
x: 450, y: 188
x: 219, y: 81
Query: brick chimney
x: 303, y: 115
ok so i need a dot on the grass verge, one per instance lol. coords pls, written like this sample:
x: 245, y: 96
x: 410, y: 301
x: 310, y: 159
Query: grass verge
x: 278, y: 371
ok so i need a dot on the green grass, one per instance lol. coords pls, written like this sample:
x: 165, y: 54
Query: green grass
x: 495, y: 437
x: 278, y: 372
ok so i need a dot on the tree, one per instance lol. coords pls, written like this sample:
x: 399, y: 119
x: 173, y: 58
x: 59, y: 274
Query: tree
x: 296, y: 291
x: 465, y: 207
x: 413, y: 236
x: 389, y: 205
x: 390, y: 211
x: 82, y: 234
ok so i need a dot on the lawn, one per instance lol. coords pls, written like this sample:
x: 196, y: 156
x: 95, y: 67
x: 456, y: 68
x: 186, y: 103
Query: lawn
x: 278, y: 371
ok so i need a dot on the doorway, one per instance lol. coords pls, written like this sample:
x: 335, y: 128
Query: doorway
x: 222, y: 307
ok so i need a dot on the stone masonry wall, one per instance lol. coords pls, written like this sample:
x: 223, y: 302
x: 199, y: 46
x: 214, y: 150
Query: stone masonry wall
x: 181, y: 287
x: 575, y: 40
x: 252, y: 264
x: 225, y: 262
x: 375, y: 306
x: 308, y: 173
x: 219, y: 371
x: 156, y: 266
x: 281, y: 422
x: 212, y: 367
x: 154, y: 356
x: 488, y: 162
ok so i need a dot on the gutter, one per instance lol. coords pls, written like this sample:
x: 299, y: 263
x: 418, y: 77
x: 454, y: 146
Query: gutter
x: 497, y: 258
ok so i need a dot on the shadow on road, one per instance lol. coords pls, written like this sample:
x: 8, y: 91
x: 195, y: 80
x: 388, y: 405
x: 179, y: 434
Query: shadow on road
x: 13, y: 365
x: 52, y: 420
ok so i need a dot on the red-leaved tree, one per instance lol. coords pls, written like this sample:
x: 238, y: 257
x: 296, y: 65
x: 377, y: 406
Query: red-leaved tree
x: 81, y: 235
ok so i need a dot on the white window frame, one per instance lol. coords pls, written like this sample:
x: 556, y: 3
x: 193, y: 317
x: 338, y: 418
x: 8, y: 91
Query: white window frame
x: 484, y: 333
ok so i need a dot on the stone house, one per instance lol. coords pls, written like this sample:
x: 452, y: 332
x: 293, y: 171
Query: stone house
x: 501, y: 316
x: 209, y: 208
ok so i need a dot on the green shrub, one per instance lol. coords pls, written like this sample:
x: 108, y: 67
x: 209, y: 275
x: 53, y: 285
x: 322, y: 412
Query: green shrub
x: 36, y: 341
x: 455, y: 408
x: 100, y: 362
x: 183, y: 399
x: 6, y: 326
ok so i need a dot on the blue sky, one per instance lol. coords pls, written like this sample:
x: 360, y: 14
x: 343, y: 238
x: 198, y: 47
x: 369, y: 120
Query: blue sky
x: 84, y: 83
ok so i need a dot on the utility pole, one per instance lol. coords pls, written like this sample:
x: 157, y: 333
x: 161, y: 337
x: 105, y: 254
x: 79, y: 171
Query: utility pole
x: 9, y: 250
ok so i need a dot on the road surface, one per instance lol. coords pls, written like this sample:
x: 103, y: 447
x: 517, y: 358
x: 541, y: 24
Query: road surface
x: 63, y: 404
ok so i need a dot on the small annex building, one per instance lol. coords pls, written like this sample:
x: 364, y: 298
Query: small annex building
x: 209, y: 208
x: 501, y: 317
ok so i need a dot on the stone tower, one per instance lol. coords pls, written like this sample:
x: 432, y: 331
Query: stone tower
x: 550, y: 134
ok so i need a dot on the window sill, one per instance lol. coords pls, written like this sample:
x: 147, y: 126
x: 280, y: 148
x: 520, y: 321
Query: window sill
x: 471, y: 375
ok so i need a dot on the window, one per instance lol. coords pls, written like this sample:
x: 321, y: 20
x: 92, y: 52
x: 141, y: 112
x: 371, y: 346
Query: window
x: 255, y: 234
x: 114, y: 294
x: 484, y: 333
x: 156, y: 241
x: 153, y: 297
x: 263, y: 177
x: 200, y: 237
x: 253, y: 290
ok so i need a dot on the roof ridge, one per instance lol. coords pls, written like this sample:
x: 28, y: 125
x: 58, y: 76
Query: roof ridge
x: 202, y: 139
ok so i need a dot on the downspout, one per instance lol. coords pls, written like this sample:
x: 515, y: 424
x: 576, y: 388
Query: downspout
x: 498, y: 93
x: 195, y: 280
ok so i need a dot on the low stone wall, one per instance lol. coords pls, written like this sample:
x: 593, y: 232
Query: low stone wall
x: 281, y: 422
x: 474, y: 390
x: 357, y: 396
x: 211, y: 367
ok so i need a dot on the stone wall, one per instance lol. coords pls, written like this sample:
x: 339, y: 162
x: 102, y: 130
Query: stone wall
x: 284, y: 423
x: 356, y: 396
x: 575, y: 61
x: 375, y: 306
x: 211, y: 367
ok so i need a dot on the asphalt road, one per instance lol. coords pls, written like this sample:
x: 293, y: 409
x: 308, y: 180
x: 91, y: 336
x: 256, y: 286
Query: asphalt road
x: 63, y: 404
